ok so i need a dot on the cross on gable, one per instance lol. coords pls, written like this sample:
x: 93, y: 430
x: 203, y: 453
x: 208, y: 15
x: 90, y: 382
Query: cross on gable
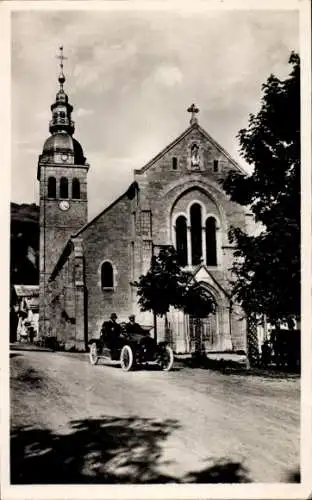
x: 193, y: 110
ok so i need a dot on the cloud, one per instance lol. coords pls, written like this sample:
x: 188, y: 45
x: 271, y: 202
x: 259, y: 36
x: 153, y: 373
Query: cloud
x: 104, y: 65
x: 168, y: 76
x: 84, y: 112
x: 83, y: 76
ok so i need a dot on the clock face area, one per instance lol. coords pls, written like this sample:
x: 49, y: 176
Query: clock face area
x: 64, y: 205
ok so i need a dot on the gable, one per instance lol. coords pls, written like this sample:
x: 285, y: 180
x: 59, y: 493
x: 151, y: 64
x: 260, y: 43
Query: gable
x: 193, y: 151
x: 202, y: 274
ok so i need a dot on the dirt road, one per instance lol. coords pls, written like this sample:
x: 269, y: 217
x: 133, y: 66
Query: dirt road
x: 76, y: 423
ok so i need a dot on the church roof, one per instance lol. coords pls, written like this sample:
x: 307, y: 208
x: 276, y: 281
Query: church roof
x: 132, y: 189
x: 207, y: 136
x: 59, y: 141
x: 63, y: 142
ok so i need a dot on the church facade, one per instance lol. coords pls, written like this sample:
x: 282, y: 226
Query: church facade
x: 87, y: 268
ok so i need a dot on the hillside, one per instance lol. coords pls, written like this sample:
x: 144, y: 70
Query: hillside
x: 24, y: 265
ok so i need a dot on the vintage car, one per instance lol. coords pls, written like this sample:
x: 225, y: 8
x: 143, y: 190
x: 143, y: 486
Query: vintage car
x: 132, y: 350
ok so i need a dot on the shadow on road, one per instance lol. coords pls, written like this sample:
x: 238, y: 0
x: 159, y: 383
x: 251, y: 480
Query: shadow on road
x: 15, y: 354
x: 30, y: 377
x: 105, y: 451
x: 235, y: 368
x: 222, y: 471
x: 293, y: 476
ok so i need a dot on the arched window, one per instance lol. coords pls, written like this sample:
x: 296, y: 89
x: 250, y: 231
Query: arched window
x: 211, y: 242
x: 76, y: 189
x: 51, y: 187
x: 64, y: 187
x: 196, y: 233
x: 107, y: 275
x: 181, y: 240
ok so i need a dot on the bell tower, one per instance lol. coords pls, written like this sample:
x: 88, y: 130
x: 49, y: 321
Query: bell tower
x: 62, y: 175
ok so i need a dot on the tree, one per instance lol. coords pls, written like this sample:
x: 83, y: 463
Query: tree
x: 165, y: 284
x: 267, y: 266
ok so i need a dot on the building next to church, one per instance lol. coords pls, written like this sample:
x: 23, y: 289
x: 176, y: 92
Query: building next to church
x: 86, y: 268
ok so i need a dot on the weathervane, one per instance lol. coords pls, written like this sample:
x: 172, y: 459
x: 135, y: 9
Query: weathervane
x: 193, y: 109
x: 62, y: 58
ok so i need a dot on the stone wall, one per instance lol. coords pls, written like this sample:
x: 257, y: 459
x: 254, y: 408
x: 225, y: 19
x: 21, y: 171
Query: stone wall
x: 109, y: 238
x: 57, y: 226
x: 66, y: 296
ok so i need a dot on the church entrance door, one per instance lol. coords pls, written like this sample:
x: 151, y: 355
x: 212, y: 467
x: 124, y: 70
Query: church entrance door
x: 203, y: 333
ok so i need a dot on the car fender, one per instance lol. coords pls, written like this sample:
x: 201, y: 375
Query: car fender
x: 130, y: 342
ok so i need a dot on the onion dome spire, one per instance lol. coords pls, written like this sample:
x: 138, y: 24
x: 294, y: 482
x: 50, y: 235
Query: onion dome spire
x: 61, y: 147
x: 61, y: 109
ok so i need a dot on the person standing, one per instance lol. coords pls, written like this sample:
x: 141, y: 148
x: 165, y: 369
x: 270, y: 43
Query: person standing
x: 111, y: 331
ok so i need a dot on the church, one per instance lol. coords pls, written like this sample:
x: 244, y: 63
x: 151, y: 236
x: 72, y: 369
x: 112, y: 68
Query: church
x: 87, y: 267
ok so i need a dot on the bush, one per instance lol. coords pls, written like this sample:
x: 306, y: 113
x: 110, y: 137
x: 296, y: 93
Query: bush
x: 282, y: 351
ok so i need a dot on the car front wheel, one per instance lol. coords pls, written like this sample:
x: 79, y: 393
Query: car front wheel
x: 126, y: 358
x: 166, y: 359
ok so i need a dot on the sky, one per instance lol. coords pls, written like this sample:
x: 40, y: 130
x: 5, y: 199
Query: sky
x: 131, y: 76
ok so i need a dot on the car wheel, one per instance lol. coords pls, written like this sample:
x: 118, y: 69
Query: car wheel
x: 166, y: 359
x: 93, y: 354
x: 126, y: 358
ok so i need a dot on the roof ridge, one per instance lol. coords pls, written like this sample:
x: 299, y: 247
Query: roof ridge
x: 133, y: 185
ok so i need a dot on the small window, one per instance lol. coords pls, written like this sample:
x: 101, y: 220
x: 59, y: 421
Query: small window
x: 216, y: 165
x: 51, y: 187
x: 62, y: 113
x: 64, y: 187
x: 174, y: 163
x: 107, y: 275
x: 76, y: 189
